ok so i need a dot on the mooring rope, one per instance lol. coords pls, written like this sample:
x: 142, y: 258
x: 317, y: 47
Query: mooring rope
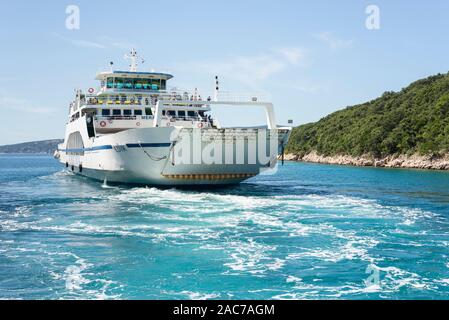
x: 150, y: 156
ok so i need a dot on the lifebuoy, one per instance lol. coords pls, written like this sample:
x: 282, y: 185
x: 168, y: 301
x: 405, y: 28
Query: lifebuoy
x: 103, y: 124
x: 91, y: 90
x: 138, y: 124
x: 200, y: 125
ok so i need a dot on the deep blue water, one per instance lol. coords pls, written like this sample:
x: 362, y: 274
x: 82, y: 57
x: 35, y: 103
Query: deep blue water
x: 308, y: 232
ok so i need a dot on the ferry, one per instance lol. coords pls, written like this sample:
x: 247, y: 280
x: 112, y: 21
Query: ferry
x: 134, y: 129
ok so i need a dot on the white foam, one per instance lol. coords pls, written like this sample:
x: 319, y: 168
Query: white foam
x: 200, y: 296
x: 74, y: 279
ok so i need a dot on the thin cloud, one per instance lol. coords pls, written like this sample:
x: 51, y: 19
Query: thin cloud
x: 115, y: 43
x: 80, y: 43
x: 250, y: 70
x: 100, y: 43
x: 293, y: 55
x: 333, y: 41
x: 87, y: 44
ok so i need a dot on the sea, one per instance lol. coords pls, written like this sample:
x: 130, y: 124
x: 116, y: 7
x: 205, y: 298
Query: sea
x: 309, y: 231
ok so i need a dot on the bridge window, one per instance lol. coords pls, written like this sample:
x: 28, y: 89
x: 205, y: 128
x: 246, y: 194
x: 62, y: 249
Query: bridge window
x: 155, y: 84
x: 117, y: 112
x: 127, y: 112
x: 145, y: 84
x: 110, y: 83
x: 105, y: 112
x: 128, y: 83
x: 138, y: 84
x: 137, y: 112
x: 118, y: 83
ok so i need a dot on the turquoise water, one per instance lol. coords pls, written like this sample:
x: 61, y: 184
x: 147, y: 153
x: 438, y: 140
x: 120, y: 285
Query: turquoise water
x: 308, y: 232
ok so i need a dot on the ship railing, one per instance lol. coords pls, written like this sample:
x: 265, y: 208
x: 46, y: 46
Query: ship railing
x: 173, y: 95
x: 107, y: 118
x: 148, y: 117
x: 185, y: 95
x: 123, y: 89
x: 98, y: 101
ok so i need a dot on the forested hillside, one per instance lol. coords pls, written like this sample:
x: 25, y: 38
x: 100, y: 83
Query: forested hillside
x: 412, y: 121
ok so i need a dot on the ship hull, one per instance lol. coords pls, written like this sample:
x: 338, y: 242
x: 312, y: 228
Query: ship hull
x: 157, y: 156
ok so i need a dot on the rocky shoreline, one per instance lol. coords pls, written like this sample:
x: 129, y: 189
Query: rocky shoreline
x: 393, y: 161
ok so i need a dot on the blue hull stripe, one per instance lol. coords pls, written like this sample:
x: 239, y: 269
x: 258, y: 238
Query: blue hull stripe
x: 109, y: 147
x: 87, y: 149
x: 148, y: 145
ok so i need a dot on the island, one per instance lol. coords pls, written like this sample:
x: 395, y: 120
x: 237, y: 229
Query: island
x: 35, y: 147
x: 408, y: 129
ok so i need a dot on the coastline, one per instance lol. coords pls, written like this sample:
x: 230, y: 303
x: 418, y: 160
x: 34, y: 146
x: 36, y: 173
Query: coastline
x: 392, y: 161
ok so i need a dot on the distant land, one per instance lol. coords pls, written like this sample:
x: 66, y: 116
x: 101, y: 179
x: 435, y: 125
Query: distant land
x: 409, y: 128
x: 37, y: 147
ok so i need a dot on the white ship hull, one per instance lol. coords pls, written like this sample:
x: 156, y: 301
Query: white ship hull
x: 147, y: 156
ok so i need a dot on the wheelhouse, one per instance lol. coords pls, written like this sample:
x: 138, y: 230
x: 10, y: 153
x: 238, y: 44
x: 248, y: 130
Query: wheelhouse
x: 133, y: 81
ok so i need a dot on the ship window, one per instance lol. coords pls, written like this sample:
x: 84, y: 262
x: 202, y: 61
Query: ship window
x: 128, y: 83
x: 127, y: 112
x: 105, y: 112
x: 163, y: 84
x: 110, y: 83
x: 155, y: 84
x: 163, y: 112
x: 117, y: 112
x: 171, y: 113
x: 146, y: 84
x: 191, y: 113
x: 148, y: 112
x: 139, y: 84
x: 118, y: 83
x: 181, y: 113
x: 137, y: 112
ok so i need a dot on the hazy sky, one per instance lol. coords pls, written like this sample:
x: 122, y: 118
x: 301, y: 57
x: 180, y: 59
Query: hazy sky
x: 312, y: 57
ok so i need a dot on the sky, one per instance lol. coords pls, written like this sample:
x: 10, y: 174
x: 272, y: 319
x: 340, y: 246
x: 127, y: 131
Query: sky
x: 310, y: 57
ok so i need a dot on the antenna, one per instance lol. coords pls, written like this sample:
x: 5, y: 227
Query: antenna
x: 217, y: 88
x: 134, y: 58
